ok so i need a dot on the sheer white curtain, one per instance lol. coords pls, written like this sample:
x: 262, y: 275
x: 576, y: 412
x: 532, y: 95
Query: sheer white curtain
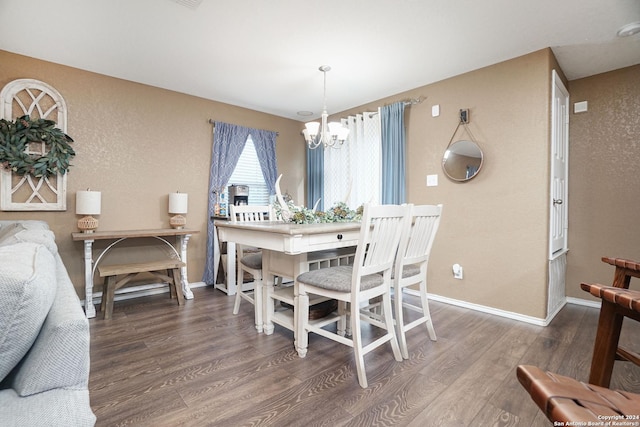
x: 352, y: 173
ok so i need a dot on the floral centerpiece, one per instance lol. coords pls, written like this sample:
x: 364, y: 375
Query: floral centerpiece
x: 339, y: 212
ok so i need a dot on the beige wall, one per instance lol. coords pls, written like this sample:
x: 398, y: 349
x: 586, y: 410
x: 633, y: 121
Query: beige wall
x: 495, y: 225
x: 604, y: 176
x: 136, y: 144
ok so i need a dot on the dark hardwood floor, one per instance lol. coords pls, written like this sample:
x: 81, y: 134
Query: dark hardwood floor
x: 157, y: 364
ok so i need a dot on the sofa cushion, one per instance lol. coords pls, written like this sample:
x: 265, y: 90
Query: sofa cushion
x: 54, y: 408
x: 19, y: 233
x: 60, y: 356
x: 27, y: 290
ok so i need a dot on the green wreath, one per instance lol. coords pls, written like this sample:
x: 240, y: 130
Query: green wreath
x: 15, y: 138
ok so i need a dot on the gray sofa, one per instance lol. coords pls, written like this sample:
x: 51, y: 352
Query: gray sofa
x: 44, y: 334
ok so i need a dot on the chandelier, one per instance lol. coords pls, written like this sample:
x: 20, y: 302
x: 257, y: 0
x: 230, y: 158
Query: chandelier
x: 326, y: 134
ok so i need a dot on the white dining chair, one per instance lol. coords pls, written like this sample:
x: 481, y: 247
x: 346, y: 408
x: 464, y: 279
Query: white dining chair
x: 250, y: 260
x: 369, y: 277
x: 412, y: 260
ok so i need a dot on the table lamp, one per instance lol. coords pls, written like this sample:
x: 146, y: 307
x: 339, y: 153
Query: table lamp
x: 88, y: 203
x: 178, y: 203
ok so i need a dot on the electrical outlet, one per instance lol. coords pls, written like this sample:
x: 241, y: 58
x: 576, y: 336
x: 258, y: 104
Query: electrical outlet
x: 457, y: 271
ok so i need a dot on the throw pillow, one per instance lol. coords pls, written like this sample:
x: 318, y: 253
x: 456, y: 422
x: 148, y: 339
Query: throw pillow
x: 6, y: 232
x: 39, y: 236
x: 27, y: 290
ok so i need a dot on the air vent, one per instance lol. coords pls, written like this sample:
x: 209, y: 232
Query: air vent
x: 191, y: 4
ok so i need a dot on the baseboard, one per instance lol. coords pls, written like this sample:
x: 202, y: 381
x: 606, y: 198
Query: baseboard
x: 160, y: 288
x: 584, y: 302
x: 490, y: 310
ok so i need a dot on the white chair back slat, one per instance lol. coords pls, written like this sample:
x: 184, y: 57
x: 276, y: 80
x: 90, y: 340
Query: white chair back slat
x: 381, y: 229
x: 426, y: 221
x: 249, y: 213
x: 244, y: 213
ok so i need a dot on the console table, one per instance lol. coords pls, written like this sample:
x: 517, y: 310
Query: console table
x: 182, y: 236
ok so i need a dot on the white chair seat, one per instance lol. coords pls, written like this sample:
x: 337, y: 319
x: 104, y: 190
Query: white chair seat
x: 407, y: 271
x: 252, y: 261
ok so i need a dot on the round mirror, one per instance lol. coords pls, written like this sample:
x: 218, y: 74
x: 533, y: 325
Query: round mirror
x: 462, y: 160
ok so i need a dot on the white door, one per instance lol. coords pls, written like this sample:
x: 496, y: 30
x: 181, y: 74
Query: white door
x: 559, y: 168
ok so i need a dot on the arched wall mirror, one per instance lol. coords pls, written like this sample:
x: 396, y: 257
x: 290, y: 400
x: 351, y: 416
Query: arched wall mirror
x: 462, y: 160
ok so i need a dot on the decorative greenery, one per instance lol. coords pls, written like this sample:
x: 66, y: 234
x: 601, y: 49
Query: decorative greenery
x: 15, y: 138
x: 340, y: 212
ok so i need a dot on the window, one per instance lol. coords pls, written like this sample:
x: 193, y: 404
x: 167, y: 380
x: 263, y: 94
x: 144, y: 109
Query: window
x: 248, y: 172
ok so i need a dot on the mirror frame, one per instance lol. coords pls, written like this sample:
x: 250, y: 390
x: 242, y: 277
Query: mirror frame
x: 468, y: 145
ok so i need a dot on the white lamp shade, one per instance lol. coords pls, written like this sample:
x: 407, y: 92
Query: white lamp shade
x: 334, y: 128
x: 312, y: 128
x: 178, y: 203
x: 88, y: 202
x: 343, y: 133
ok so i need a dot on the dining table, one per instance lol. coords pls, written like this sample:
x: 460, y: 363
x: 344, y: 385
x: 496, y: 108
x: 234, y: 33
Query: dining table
x: 287, y: 248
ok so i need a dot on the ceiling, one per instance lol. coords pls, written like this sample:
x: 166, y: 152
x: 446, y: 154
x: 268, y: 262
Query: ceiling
x: 264, y: 55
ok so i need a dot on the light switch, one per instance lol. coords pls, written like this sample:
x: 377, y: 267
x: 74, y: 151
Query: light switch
x: 435, y: 110
x: 580, y: 107
x: 432, y: 180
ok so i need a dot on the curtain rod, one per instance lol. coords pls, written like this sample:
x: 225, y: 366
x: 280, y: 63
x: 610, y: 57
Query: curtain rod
x: 414, y: 101
x: 408, y: 103
x: 213, y: 122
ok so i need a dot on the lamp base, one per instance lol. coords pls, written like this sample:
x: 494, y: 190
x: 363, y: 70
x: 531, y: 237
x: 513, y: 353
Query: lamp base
x: 87, y: 224
x: 178, y: 221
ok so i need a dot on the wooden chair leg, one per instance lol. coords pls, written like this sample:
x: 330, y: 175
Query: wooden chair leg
x: 388, y: 319
x: 400, y: 332
x: 177, y: 285
x: 606, y: 344
x: 110, y: 285
x: 172, y: 288
x: 426, y: 312
x: 103, y: 300
x: 358, y: 353
x: 239, y: 283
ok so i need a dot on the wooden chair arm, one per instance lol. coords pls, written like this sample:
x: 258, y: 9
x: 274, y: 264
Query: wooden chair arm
x: 625, y: 270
